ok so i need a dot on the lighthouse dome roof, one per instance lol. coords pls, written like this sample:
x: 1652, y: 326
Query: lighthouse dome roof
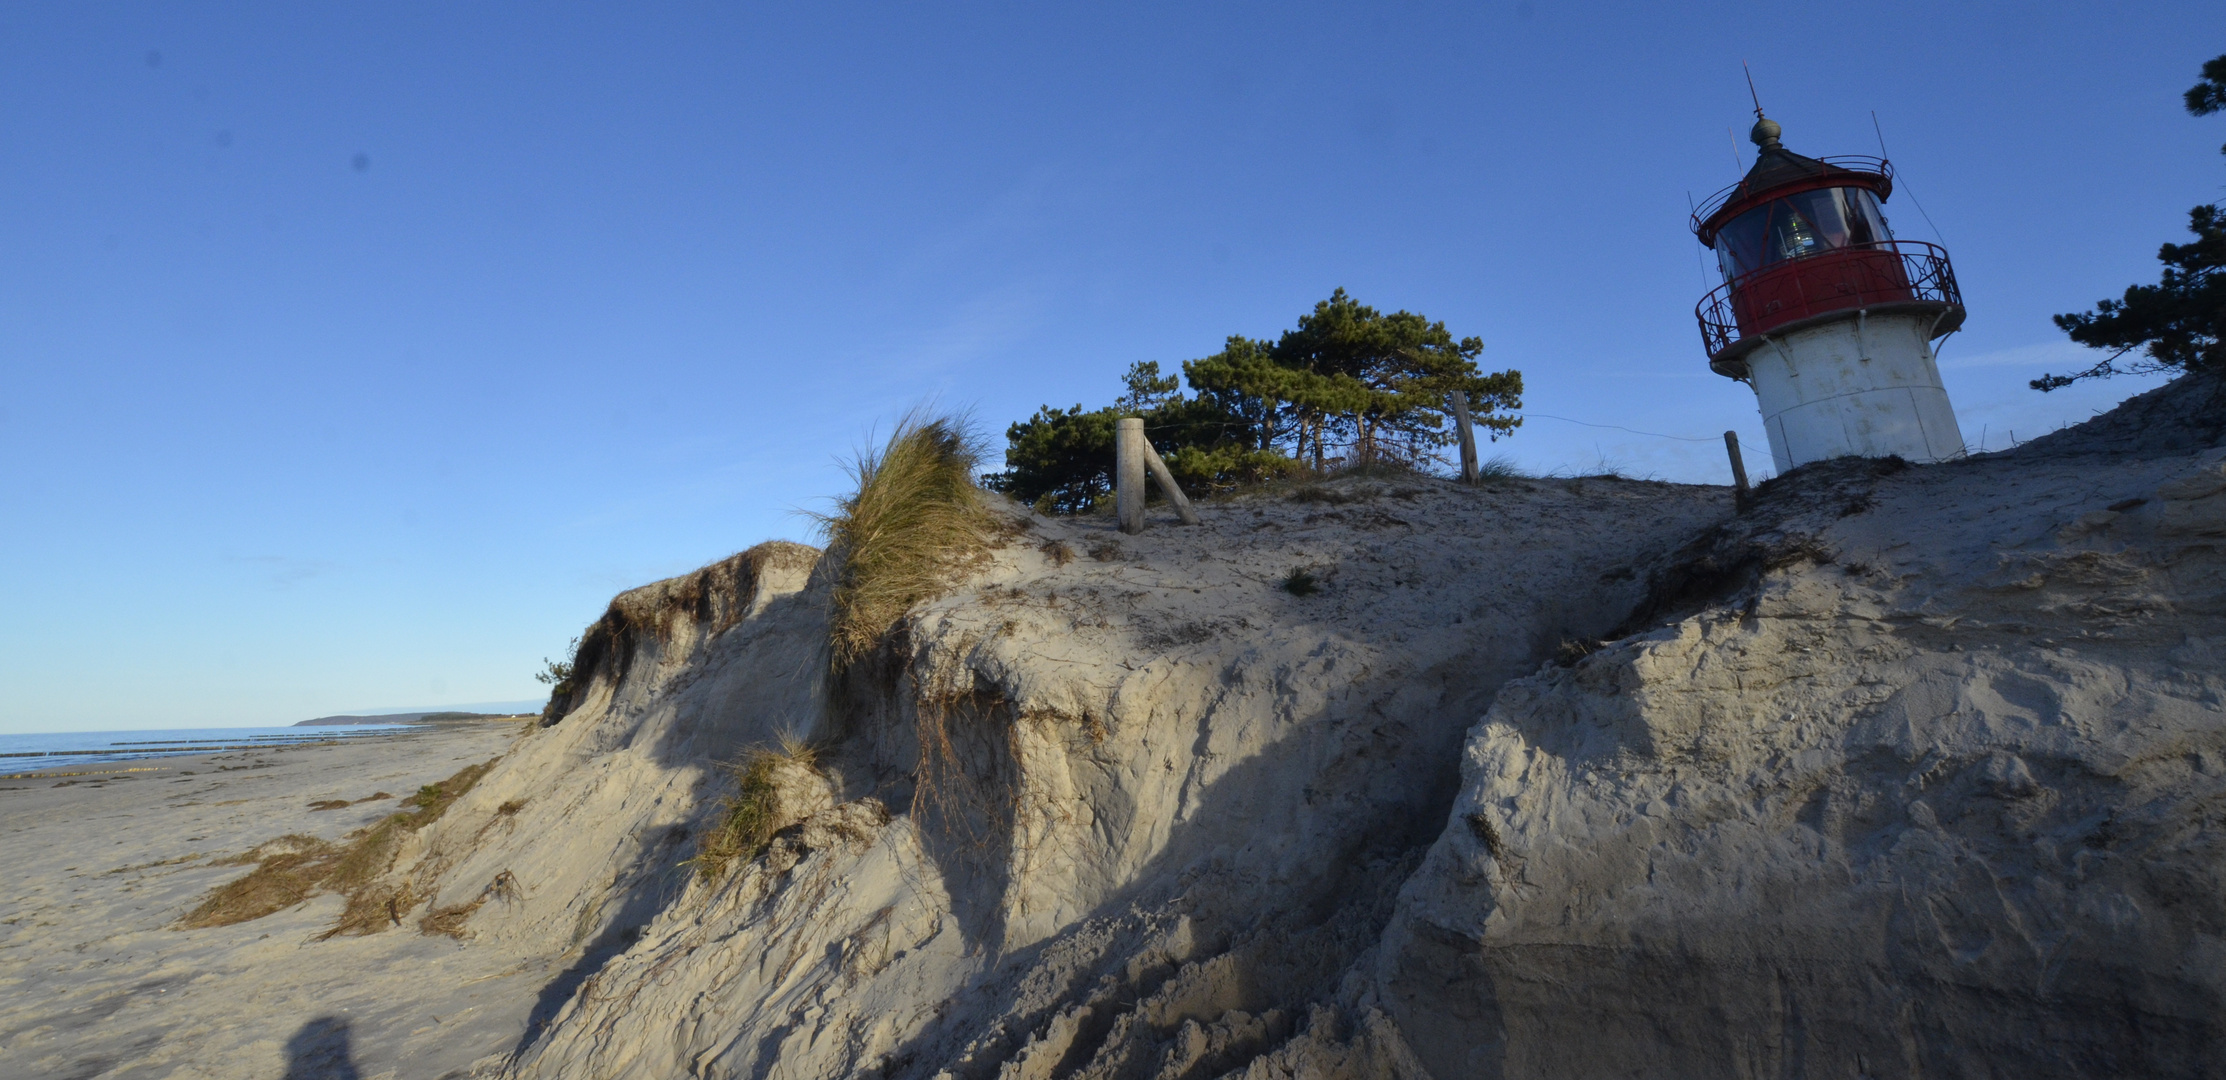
x: 1778, y: 171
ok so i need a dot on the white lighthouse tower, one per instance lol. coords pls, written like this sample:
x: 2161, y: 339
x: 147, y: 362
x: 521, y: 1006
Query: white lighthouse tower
x: 1824, y: 314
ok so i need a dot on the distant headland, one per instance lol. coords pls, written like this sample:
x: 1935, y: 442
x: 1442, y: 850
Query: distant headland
x: 431, y: 716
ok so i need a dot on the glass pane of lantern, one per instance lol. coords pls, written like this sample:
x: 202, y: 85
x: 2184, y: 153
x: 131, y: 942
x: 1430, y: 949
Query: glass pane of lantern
x: 1739, y: 247
x: 1841, y: 217
x: 1799, y: 225
x: 1863, y: 206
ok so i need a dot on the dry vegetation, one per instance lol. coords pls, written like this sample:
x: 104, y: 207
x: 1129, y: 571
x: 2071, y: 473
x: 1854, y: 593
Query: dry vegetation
x: 289, y: 871
x: 753, y: 814
x: 916, y: 523
x: 715, y: 597
x: 294, y: 867
x: 450, y: 920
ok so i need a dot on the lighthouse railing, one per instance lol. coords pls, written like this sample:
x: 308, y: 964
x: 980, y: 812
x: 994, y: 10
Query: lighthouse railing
x: 1841, y: 279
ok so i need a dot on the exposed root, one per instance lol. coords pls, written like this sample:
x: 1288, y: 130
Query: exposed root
x: 967, y: 781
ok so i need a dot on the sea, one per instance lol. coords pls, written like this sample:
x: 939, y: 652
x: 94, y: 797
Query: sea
x: 70, y: 749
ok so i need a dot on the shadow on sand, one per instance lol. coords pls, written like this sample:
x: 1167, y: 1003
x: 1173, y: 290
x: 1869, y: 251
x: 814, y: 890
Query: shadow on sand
x: 321, y: 1050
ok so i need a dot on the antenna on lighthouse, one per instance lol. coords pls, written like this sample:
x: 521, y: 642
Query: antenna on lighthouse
x: 1751, y: 88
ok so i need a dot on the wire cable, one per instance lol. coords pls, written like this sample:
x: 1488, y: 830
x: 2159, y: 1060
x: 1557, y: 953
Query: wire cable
x: 1921, y: 209
x: 1615, y: 427
x: 1883, y: 156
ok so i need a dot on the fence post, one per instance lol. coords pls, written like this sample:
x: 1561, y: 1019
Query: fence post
x: 1738, y: 470
x: 1128, y: 473
x: 1469, y: 474
x: 1166, y: 481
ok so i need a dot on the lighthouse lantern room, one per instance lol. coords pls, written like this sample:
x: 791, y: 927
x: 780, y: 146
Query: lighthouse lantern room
x: 1826, y: 315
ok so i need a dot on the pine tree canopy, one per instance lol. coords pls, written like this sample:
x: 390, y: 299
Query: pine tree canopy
x: 1348, y: 385
x: 2208, y: 95
x: 2179, y: 323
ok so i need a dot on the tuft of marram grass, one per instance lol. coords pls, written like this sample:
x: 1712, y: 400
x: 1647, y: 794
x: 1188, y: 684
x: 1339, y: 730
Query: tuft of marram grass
x: 1500, y: 467
x: 754, y: 813
x: 915, y: 525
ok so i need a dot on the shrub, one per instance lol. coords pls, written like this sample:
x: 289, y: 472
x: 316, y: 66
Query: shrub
x: 916, y: 523
x: 557, y: 676
x: 2179, y: 323
x: 1060, y: 461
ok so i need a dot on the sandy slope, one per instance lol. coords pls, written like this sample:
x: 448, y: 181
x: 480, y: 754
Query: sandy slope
x: 1905, y: 772
x: 1929, y: 779
x: 1900, y: 772
x: 1160, y: 759
x: 95, y: 982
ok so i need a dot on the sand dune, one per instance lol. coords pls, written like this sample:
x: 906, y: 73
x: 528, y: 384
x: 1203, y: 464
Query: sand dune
x: 1899, y: 771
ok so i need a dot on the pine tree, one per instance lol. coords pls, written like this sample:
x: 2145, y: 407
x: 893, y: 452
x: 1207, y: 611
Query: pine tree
x: 2179, y: 323
x: 1375, y: 387
x: 1379, y: 385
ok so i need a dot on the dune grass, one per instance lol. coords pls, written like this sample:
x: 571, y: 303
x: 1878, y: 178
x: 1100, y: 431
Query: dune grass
x: 295, y: 867
x: 916, y: 523
x: 753, y: 814
x: 1499, y: 467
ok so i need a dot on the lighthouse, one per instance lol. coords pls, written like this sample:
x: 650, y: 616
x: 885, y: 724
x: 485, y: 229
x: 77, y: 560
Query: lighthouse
x: 1827, y: 316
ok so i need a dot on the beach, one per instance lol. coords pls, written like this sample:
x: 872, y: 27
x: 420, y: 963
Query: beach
x: 103, y: 860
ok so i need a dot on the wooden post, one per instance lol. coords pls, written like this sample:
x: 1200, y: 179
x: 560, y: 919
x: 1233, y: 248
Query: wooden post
x: 1167, y: 484
x: 1738, y: 469
x: 1469, y: 474
x: 1128, y: 473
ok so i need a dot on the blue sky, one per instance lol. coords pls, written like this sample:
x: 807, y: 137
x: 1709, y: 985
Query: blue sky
x: 354, y: 355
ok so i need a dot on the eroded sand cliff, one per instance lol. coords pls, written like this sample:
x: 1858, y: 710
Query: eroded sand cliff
x: 1899, y: 772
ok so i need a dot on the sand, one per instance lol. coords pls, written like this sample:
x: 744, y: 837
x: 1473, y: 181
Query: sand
x: 94, y: 981
x: 1899, y: 772
x: 1196, y: 791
